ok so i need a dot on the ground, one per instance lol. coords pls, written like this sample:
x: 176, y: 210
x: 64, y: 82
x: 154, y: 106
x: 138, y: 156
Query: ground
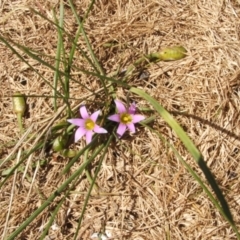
x: 148, y: 194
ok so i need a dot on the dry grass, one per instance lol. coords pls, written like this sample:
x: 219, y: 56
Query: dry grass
x: 151, y: 195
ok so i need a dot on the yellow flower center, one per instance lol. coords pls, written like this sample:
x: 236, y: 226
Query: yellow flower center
x: 125, y: 118
x: 89, y: 124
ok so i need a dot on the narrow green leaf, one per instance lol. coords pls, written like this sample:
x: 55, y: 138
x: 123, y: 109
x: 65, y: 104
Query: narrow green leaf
x: 195, y: 176
x: 91, y: 186
x: 190, y: 147
x: 53, y: 196
x: 58, y: 54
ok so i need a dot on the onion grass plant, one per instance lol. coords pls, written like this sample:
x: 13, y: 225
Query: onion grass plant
x: 57, y: 132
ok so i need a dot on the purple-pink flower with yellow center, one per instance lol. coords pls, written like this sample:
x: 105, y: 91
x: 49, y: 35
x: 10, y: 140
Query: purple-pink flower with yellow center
x: 126, y: 117
x: 86, y: 125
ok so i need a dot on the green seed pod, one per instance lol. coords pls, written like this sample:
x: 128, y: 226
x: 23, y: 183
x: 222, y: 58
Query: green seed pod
x: 69, y: 153
x: 172, y: 53
x: 59, y: 144
x: 19, y: 104
x: 19, y: 107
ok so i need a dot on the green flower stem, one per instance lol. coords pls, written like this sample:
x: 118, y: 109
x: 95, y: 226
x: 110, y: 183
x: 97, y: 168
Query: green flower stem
x: 142, y: 61
x: 20, y: 123
x: 87, y: 171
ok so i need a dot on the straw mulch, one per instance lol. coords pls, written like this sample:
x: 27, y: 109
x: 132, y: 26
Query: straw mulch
x: 150, y: 194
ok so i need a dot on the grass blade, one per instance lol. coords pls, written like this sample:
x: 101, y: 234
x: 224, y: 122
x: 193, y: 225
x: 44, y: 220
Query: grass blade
x: 58, y: 55
x: 92, y: 185
x: 81, y: 30
x: 53, y: 196
x: 190, y: 147
x: 195, y: 176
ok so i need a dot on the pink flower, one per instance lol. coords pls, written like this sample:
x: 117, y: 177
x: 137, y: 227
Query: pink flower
x: 126, y: 117
x: 87, y: 125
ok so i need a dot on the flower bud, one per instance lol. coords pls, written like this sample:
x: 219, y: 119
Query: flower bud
x: 59, y: 144
x: 172, y: 53
x: 19, y: 104
x: 69, y: 153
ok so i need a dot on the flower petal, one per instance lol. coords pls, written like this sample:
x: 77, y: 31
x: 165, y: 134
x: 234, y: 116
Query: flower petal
x: 89, y: 135
x: 131, y: 127
x: 98, y: 129
x: 77, y: 122
x: 94, y: 116
x: 83, y: 112
x: 121, y: 129
x: 79, y: 133
x: 132, y: 108
x: 137, y: 118
x: 114, y: 117
x: 120, y: 107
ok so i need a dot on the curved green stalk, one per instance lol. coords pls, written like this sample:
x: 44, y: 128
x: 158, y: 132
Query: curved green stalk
x: 192, y: 150
x: 20, y: 123
x: 197, y: 178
